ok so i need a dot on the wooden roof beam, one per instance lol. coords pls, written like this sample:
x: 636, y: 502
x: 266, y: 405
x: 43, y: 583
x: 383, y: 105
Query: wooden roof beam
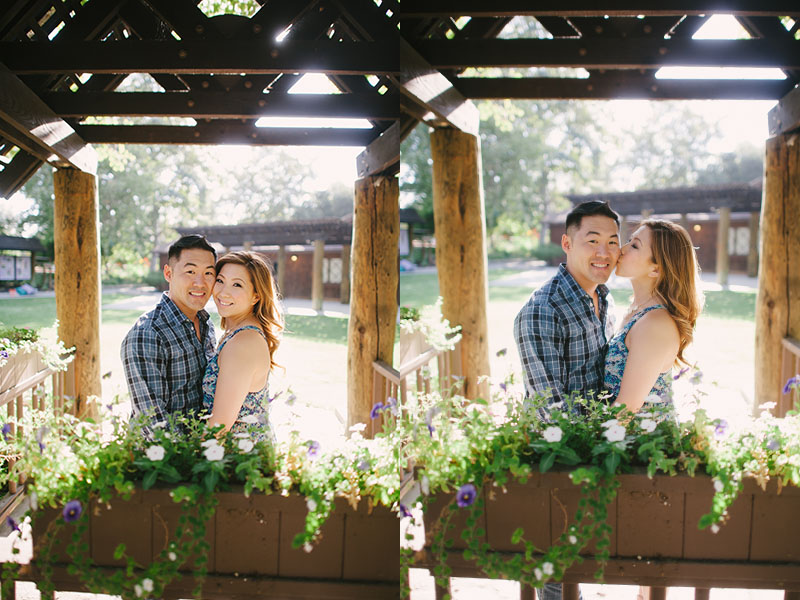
x: 36, y: 125
x: 224, y: 57
x: 588, y: 8
x: 433, y: 93
x: 620, y: 85
x: 785, y: 116
x: 226, y: 133
x: 636, y: 53
x: 212, y: 105
x: 17, y: 172
x: 382, y: 154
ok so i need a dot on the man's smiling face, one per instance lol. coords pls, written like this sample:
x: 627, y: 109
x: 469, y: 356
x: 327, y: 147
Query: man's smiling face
x: 592, y: 250
x: 190, y: 277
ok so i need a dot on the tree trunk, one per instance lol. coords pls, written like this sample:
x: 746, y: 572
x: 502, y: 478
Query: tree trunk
x: 375, y: 276
x: 344, y: 288
x: 77, y: 284
x: 752, y: 254
x: 460, y: 225
x: 282, y: 270
x: 778, y: 301
x: 723, y: 253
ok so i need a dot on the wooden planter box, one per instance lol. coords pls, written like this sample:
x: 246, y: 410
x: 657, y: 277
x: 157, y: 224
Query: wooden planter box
x: 19, y: 368
x: 251, y: 552
x: 655, y: 539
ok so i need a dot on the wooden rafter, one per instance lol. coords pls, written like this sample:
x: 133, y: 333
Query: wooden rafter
x: 382, y: 155
x: 579, y: 8
x: 640, y: 53
x: 212, y: 105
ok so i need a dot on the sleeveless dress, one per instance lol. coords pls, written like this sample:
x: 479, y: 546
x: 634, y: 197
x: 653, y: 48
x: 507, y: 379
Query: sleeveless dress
x: 253, y: 419
x: 617, y: 356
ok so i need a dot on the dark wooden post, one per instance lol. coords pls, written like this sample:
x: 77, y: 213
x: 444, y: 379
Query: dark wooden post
x: 752, y: 254
x: 317, y: 289
x: 282, y: 269
x: 723, y: 254
x: 77, y: 285
x: 460, y: 223
x: 373, y: 303
x: 344, y: 287
x: 778, y: 301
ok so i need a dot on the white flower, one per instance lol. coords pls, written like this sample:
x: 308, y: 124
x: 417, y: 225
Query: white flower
x: 210, y: 442
x: 147, y: 584
x: 214, y: 453
x: 718, y: 485
x: 172, y: 556
x: 138, y: 590
x: 246, y: 445
x: 715, y: 528
x: 204, y: 417
x: 538, y: 572
x: 552, y: 434
x: 34, y: 501
x: 358, y: 427
x: 610, y: 423
x: 615, y: 433
x: 647, y: 425
x: 425, y: 485
x: 250, y: 419
x: 240, y: 436
x: 653, y: 399
x: 311, y: 504
x: 573, y: 539
x: 307, y: 548
x: 155, y: 453
x: 547, y: 568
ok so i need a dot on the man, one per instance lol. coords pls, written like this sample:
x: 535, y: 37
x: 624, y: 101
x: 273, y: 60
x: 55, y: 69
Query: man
x: 562, y: 330
x: 165, y: 353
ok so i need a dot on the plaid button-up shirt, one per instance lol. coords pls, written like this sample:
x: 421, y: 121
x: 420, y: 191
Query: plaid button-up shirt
x: 561, y: 341
x: 165, y: 361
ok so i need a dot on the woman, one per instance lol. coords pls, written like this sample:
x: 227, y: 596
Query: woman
x: 662, y: 266
x: 235, y: 385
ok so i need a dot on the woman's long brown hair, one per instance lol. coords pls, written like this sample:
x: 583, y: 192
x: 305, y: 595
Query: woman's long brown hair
x: 265, y: 310
x: 677, y: 284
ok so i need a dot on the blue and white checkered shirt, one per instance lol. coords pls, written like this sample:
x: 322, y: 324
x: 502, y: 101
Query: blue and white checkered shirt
x: 561, y: 341
x: 165, y: 361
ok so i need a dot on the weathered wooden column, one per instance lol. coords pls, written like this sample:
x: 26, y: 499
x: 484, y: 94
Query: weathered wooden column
x: 623, y: 228
x: 77, y: 281
x: 778, y: 300
x: 723, y: 255
x: 684, y: 221
x: 281, y: 269
x: 752, y: 253
x: 460, y: 223
x: 373, y: 302
x: 344, y: 287
x: 317, y: 289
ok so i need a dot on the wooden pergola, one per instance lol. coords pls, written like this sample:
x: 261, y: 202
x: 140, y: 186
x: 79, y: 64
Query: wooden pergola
x: 63, y: 61
x: 444, y: 45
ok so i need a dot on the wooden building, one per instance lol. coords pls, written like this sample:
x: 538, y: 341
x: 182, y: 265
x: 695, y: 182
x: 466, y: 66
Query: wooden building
x: 18, y: 259
x: 709, y: 213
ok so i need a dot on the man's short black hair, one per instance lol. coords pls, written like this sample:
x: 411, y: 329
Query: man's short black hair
x: 591, y: 208
x: 193, y: 240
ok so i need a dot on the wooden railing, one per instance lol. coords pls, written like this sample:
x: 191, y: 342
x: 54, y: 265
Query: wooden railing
x: 29, y: 394
x: 790, y: 366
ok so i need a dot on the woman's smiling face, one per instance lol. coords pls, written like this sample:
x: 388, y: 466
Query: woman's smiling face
x: 233, y: 292
x: 636, y: 258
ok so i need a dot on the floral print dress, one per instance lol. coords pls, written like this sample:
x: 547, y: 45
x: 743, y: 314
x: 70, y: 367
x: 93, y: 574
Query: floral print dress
x: 253, y: 419
x: 659, y: 400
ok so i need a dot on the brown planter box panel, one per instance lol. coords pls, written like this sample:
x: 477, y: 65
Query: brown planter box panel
x: 365, y: 530
x: 118, y: 522
x: 248, y: 531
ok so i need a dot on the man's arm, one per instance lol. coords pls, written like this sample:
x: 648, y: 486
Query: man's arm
x: 539, y: 341
x: 145, y: 371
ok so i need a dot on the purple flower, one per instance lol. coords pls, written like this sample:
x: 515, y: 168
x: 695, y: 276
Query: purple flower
x: 793, y: 381
x: 391, y: 405
x: 3, y: 353
x: 40, y: 436
x: 13, y: 524
x: 773, y: 444
x: 313, y: 448
x: 429, y: 415
x: 6, y: 430
x: 72, y: 511
x: 364, y: 465
x: 721, y: 426
x: 404, y: 512
x: 466, y: 495
x: 376, y: 410
x: 503, y: 386
x: 681, y: 373
x: 696, y: 377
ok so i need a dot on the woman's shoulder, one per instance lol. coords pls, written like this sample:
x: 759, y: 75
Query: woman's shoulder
x: 656, y: 324
x: 246, y: 339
